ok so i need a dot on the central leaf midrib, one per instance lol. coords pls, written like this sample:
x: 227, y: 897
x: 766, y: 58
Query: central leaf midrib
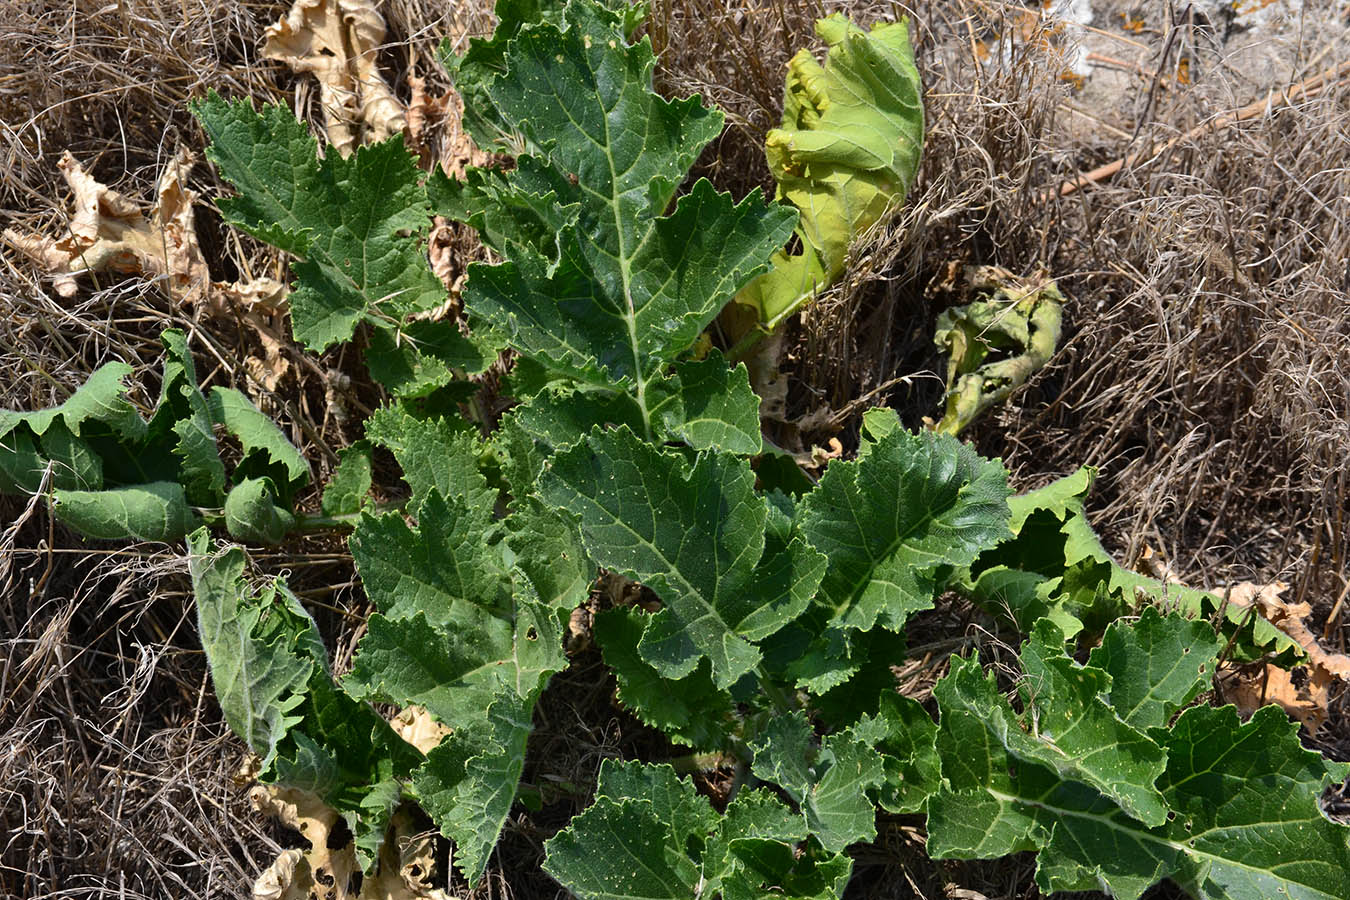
x: 902, y: 537
x: 626, y: 274
x: 1146, y: 835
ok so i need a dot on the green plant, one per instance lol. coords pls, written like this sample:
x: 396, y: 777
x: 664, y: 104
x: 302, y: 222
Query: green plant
x: 996, y: 343
x: 845, y: 155
x: 783, y: 604
x: 111, y: 474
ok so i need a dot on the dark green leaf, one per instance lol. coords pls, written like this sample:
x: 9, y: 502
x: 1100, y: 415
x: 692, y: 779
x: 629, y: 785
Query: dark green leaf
x: 349, y: 485
x: 353, y: 223
x: 910, y: 505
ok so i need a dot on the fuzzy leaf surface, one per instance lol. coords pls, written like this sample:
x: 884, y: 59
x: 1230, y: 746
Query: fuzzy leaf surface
x: 649, y: 834
x: 251, y: 641
x: 623, y: 287
x: 468, y: 783
x: 354, y: 223
x: 253, y: 513
x: 183, y: 418
x: 889, y: 520
x: 693, y: 533
x: 1157, y: 666
x: 1055, y: 566
x: 481, y: 676
x: 348, y: 486
x: 102, y: 398
x: 157, y: 511
x: 1245, y: 823
x: 829, y: 783
x: 267, y: 452
x: 421, y: 356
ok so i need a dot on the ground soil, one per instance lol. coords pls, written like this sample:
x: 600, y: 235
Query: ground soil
x: 1202, y: 369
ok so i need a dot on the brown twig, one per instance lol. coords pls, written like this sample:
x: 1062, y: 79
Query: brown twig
x: 1331, y: 77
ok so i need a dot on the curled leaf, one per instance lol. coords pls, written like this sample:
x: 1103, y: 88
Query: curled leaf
x: 252, y: 514
x: 157, y: 511
x: 995, y: 343
x: 336, y: 41
x: 1304, y: 698
x: 318, y: 872
x: 110, y: 232
x: 846, y: 154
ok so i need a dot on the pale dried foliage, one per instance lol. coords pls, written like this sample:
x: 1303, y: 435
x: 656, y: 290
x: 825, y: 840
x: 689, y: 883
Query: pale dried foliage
x: 338, y: 41
x: 1202, y: 370
x: 1306, y: 694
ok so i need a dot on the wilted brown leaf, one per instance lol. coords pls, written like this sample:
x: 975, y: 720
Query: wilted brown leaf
x: 276, y: 881
x: 435, y: 130
x: 406, y: 867
x: 322, y: 873
x: 109, y: 232
x: 416, y: 726
x: 407, y: 864
x: 337, y: 41
x: 579, y: 630
x: 1291, y: 618
x: 261, y: 304
x: 1304, y: 698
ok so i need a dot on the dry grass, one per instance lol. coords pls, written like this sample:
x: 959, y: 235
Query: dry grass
x: 1202, y: 372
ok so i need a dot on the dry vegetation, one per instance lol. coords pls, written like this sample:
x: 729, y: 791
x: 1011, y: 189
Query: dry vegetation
x: 1202, y: 370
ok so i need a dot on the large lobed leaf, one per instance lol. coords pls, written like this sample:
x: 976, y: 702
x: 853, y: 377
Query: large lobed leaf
x: 695, y: 534
x: 469, y: 623
x: 602, y: 281
x: 890, y: 521
x: 352, y: 222
x: 829, y: 782
x: 1237, y: 805
x: 649, y: 834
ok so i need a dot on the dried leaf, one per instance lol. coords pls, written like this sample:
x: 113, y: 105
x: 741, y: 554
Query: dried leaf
x: 1250, y: 688
x: 579, y: 630
x: 444, y: 260
x: 323, y: 873
x: 407, y: 864
x: 261, y: 304
x: 109, y: 232
x: 416, y: 726
x: 406, y: 868
x: 277, y: 880
x: 1306, y: 701
x: 337, y: 41
x: 1291, y: 618
x: 436, y: 131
